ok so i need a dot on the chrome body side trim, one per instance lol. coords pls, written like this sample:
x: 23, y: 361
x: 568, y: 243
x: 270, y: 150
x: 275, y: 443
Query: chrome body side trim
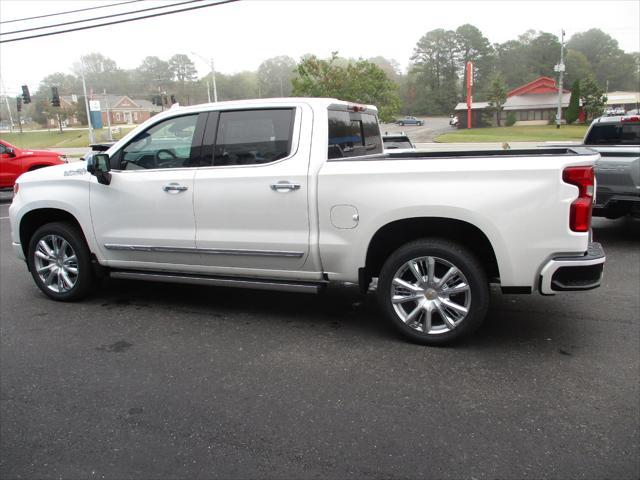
x: 219, y: 281
x: 206, y: 251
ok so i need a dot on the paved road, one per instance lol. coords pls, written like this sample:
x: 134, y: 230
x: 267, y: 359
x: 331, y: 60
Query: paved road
x: 159, y: 381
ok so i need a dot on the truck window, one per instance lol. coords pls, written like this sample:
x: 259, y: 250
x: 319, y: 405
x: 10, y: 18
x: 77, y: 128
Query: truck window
x: 353, y: 134
x: 249, y: 137
x: 614, y: 134
x: 164, y: 145
x: 399, y: 141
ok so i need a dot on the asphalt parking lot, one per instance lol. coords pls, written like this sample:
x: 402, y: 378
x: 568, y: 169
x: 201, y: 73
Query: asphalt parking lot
x: 161, y: 381
x: 426, y: 133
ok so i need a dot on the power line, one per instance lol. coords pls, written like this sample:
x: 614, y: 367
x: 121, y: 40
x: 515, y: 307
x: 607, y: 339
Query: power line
x: 70, y: 11
x: 99, y: 18
x: 119, y: 21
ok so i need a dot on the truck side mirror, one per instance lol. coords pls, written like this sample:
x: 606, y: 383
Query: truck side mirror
x: 98, y: 165
x: 10, y: 151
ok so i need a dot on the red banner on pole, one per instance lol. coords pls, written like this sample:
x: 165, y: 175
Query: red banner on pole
x: 469, y: 94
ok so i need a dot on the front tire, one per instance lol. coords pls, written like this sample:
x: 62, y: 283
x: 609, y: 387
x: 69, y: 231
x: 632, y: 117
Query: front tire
x: 60, y: 262
x: 433, y: 291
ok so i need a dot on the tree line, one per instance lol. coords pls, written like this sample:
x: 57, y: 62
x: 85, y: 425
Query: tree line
x: 433, y: 84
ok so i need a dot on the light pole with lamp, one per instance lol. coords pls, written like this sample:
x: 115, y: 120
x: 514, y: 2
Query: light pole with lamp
x: 213, y: 76
x: 86, y: 103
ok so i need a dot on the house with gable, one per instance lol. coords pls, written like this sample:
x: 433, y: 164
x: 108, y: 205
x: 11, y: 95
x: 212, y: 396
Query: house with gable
x: 534, y: 103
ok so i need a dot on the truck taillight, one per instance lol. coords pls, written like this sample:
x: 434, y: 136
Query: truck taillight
x: 16, y: 187
x: 580, y: 213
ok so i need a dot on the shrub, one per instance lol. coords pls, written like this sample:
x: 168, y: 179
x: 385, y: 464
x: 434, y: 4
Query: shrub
x: 573, y: 111
x: 511, y: 119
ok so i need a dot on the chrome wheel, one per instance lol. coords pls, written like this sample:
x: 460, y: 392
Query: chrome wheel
x: 430, y: 295
x: 56, y: 263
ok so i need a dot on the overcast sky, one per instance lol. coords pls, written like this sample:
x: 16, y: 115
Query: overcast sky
x: 239, y: 36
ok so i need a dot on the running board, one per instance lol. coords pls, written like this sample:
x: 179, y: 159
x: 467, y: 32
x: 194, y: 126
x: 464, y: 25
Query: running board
x: 283, y: 286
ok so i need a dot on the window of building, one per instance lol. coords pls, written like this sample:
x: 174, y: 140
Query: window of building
x: 117, y: 116
x: 135, y: 115
x: 249, y: 137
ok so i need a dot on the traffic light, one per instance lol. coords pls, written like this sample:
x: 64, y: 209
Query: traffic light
x: 55, y: 98
x: 157, y: 101
x: 173, y: 99
x: 19, y: 104
x: 164, y: 100
x: 26, y: 96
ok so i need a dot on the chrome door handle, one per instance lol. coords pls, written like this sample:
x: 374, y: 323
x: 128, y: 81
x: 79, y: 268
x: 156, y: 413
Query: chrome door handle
x: 174, y: 187
x: 285, y: 186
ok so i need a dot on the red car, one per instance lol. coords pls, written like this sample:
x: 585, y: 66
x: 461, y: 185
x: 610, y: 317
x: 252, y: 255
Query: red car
x: 15, y: 161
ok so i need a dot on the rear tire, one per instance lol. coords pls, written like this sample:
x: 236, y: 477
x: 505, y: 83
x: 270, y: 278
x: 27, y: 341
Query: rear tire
x: 60, y: 262
x: 433, y: 291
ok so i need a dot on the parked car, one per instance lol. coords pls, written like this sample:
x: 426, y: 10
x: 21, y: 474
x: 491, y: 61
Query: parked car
x: 292, y: 194
x: 617, y: 139
x: 409, y: 121
x: 15, y: 161
x: 614, y: 111
x: 397, y: 143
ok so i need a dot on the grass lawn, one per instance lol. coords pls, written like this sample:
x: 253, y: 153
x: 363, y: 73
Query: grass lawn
x: 55, y: 139
x: 533, y: 133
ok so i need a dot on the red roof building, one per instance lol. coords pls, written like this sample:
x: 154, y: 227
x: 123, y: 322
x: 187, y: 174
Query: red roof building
x: 534, y: 103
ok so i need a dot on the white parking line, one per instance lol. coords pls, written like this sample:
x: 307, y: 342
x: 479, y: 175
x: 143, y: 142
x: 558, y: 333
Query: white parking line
x: 3, y: 218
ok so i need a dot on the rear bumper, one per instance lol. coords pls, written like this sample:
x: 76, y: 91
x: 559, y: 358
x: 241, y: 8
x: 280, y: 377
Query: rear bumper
x: 562, y: 274
x: 608, y: 203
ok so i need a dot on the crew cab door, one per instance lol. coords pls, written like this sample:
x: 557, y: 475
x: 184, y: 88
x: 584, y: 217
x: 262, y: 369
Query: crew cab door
x: 251, y: 202
x: 144, y: 217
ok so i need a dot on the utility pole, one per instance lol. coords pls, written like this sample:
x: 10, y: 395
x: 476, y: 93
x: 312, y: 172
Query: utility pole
x: 560, y: 69
x: 6, y: 99
x: 86, y: 103
x: 208, y: 92
x: 106, y: 101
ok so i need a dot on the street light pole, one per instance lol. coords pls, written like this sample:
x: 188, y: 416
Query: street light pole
x: 86, y: 103
x: 213, y: 76
x: 6, y: 99
x: 560, y: 68
x: 106, y: 101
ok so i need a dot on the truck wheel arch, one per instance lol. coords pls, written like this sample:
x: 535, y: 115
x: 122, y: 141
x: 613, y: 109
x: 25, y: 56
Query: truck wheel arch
x: 34, y: 219
x: 395, y: 234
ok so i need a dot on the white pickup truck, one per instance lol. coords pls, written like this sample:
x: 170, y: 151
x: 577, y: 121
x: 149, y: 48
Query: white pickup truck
x: 291, y: 194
